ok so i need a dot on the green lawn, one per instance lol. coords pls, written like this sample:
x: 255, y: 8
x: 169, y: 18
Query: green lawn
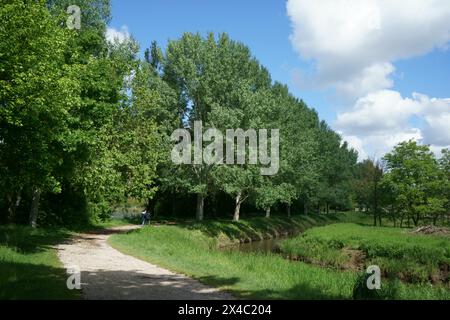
x: 29, y: 267
x: 192, y: 249
x: 400, y: 254
x: 226, y: 232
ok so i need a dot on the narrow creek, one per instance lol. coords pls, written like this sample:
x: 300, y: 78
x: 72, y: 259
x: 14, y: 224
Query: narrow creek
x: 260, y: 246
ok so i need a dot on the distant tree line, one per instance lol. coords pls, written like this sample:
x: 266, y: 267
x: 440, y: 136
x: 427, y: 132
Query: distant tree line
x: 409, y: 186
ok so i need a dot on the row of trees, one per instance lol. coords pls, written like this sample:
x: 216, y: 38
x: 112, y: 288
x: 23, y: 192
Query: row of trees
x: 218, y: 82
x: 408, y: 185
x: 70, y: 142
x: 85, y: 124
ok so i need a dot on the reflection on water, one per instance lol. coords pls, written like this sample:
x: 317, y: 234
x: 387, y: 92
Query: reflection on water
x: 261, y: 246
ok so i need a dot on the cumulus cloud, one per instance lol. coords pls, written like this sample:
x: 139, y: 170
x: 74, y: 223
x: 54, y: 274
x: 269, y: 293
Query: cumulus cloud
x: 117, y: 36
x: 380, y: 112
x: 436, y: 115
x: 370, y: 79
x: 382, y: 119
x: 353, y: 43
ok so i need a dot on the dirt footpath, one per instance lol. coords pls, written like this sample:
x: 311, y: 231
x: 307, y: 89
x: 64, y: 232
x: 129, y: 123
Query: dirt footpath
x: 109, y: 274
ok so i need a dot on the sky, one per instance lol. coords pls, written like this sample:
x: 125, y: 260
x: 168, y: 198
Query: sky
x: 377, y: 71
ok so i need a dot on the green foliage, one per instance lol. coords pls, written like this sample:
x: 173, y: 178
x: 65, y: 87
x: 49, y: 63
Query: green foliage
x: 220, y: 83
x: 409, y: 257
x: 387, y: 292
x: 37, y: 92
x: 69, y: 134
x: 368, y: 187
x: 416, y: 181
x: 259, y: 276
x: 29, y: 267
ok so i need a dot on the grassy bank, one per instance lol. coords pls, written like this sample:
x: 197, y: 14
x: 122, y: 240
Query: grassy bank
x: 29, y: 266
x: 410, y: 257
x: 226, y: 232
x: 192, y: 249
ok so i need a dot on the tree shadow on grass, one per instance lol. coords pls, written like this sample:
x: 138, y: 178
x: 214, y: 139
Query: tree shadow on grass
x: 296, y: 292
x: 256, y: 229
x: 39, y: 282
x: 26, y: 281
x: 28, y: 240
x: 253, y: 226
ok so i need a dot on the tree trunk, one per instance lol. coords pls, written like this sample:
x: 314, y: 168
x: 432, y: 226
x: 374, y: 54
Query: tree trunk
x: 18, y: 200
x: 34, y: 207
x: 10, y: 208
x: 375, y: 203
x: 237, y: 207
x: 393, y: 215
x: 305, y: 208
x: 268, y: 212
x: 173, y: 203
x: 374, y: 218
x: 328, y: 208
x: 214, y: 207
x: 13, y: 205
x: 288, y: 210
x: 200, y: 205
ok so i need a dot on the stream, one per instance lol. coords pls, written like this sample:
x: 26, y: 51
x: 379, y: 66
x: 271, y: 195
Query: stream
x: 260, y: 246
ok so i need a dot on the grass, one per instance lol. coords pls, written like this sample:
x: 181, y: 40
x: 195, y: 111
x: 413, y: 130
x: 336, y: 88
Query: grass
x: 29, y: 266
x: 226, y: 232
x: 192, y: 249
x: 409, y: 257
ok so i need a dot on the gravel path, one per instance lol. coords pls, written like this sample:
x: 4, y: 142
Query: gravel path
x: 109, y: 274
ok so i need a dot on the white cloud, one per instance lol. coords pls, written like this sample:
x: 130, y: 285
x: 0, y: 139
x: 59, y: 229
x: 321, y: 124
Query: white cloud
x: 117, y: 36
x: 380, y: 112
x: 355, y: 143
x: 375, y: 146
x: 370, y: 79
x: 353, y: 42
x: 382, y: 119
x: 352, y: 45
x: 436, y: 115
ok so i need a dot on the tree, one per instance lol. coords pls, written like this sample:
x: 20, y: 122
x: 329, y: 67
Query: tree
x: 336, y: 169
x: 239, y: 182
x: 154, y: 56
x: 367, y: 186
x: 413, y: 171
x: 440, y: 202
x: 36, y: 93
x: 444, y: 164
x: 209, y: 77
x: 69, y: 132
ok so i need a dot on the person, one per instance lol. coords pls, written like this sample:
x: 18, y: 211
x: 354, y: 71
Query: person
x: 145, y: 215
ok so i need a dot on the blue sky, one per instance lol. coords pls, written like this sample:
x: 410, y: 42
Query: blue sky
x: 266, y: 26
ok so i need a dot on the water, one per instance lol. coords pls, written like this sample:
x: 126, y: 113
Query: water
x: 261, y: 246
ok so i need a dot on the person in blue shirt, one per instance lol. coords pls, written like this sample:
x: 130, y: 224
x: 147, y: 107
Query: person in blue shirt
x: 145, y: 217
